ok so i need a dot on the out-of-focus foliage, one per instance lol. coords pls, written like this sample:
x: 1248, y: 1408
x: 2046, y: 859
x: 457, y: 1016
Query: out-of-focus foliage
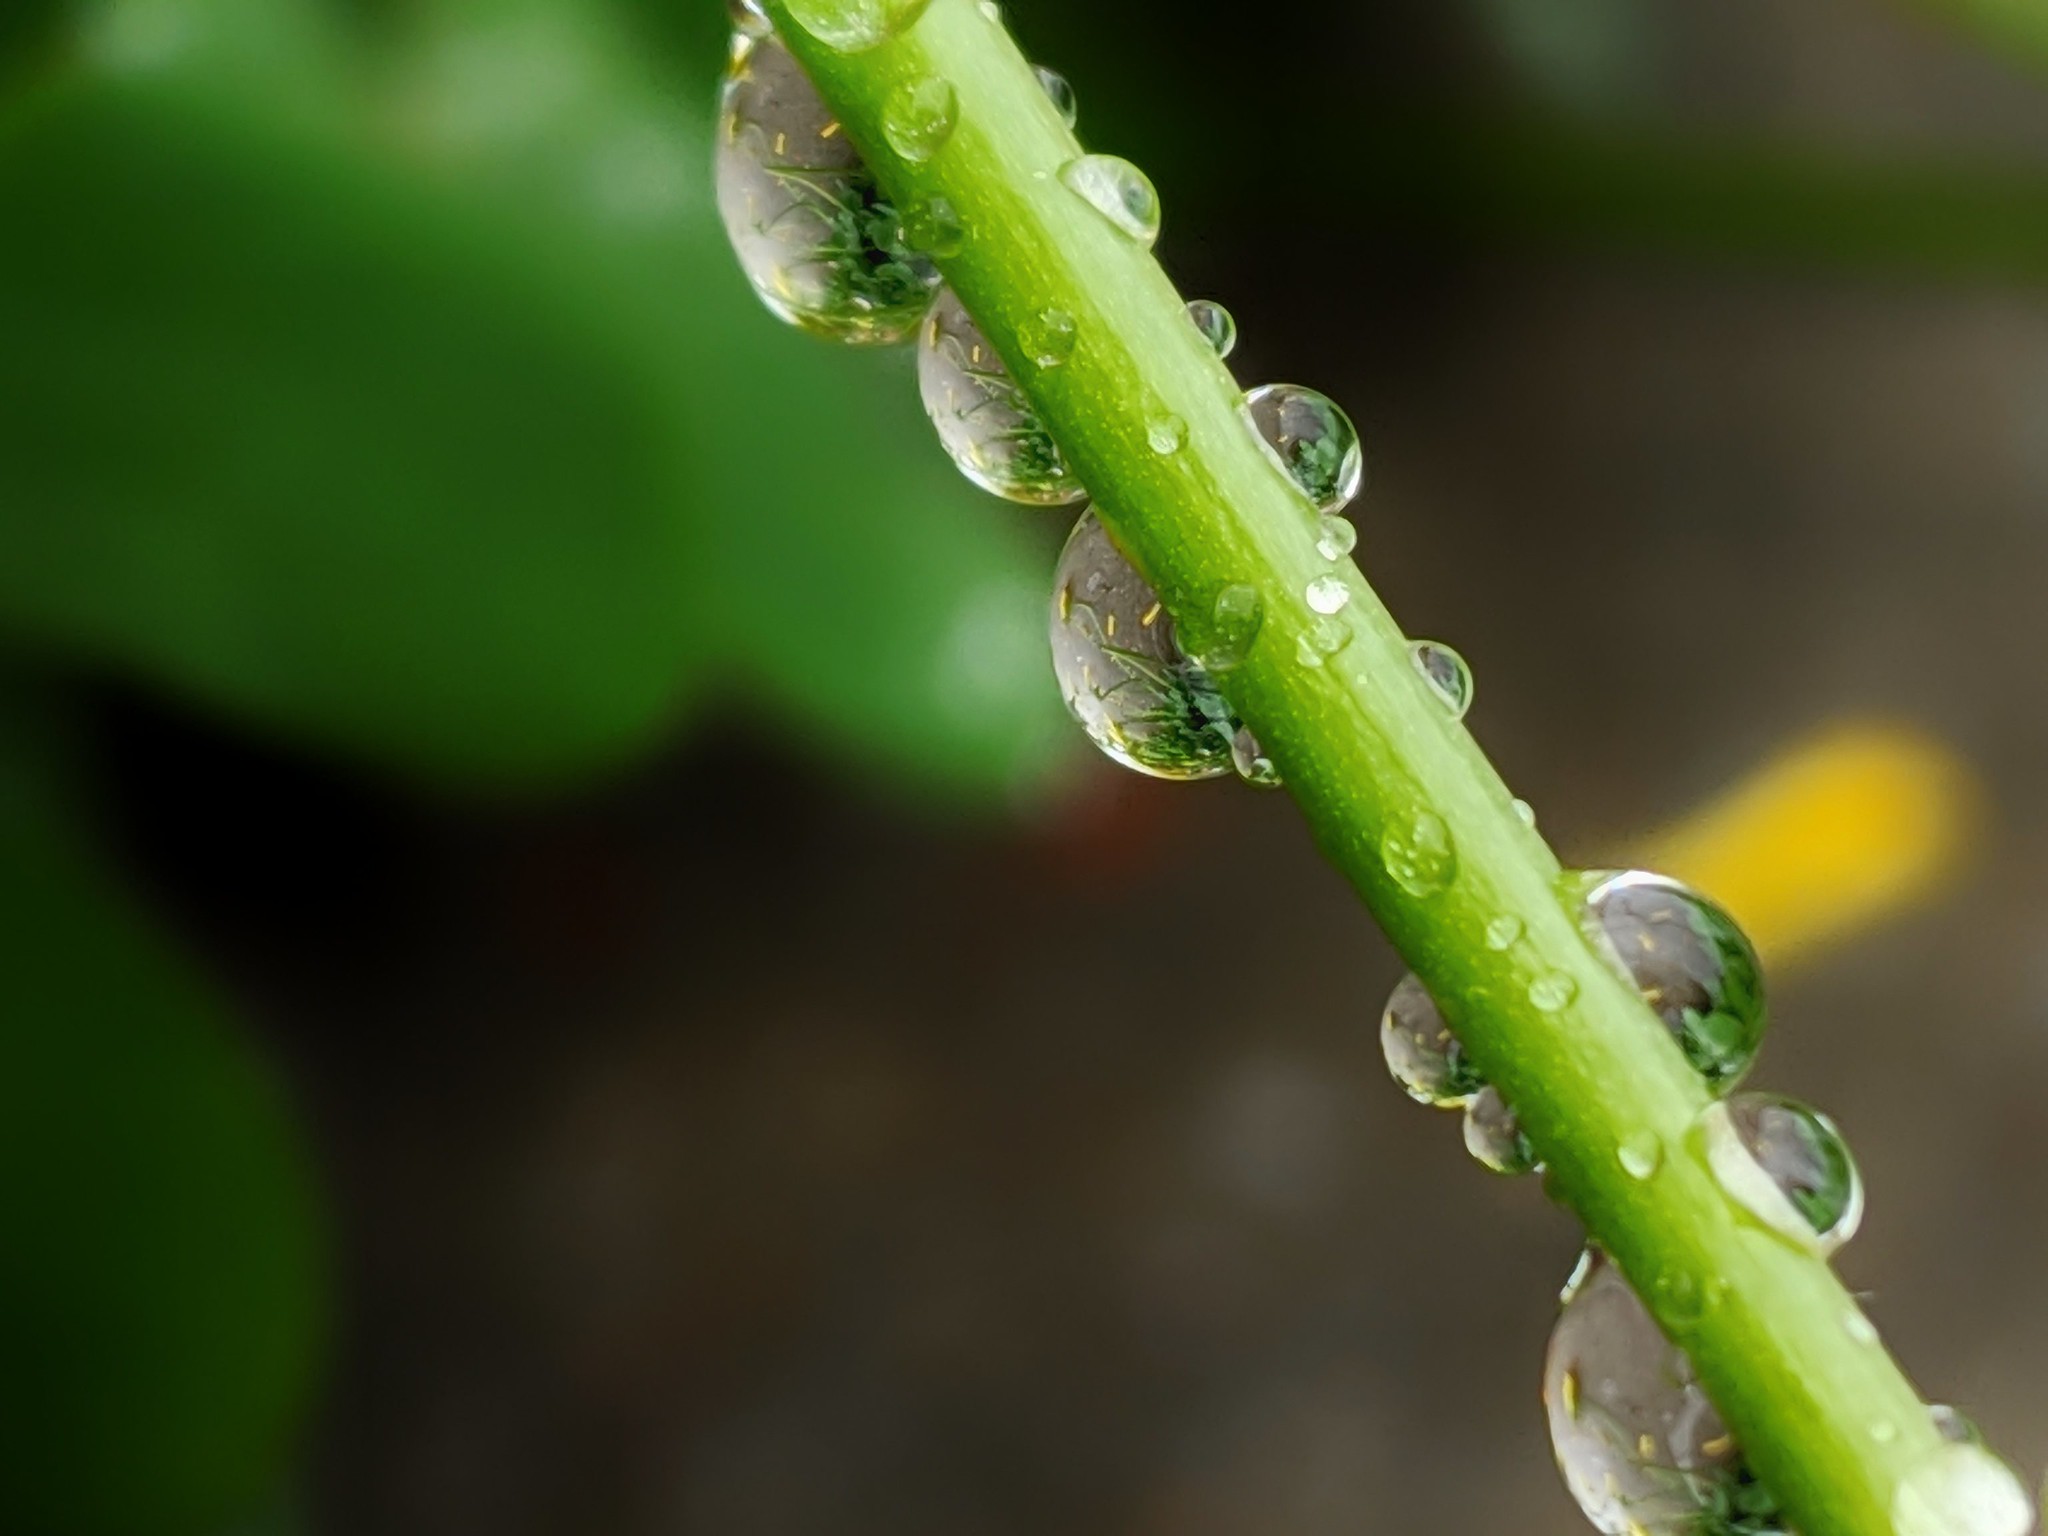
x: 390, y: 386
x: 161, y: 1293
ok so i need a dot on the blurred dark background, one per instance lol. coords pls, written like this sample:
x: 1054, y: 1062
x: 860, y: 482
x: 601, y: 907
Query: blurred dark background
x: 560, y: 970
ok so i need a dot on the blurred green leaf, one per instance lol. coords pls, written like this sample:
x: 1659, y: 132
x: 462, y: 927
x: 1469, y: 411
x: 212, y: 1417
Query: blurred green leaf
x: 161, y: 1295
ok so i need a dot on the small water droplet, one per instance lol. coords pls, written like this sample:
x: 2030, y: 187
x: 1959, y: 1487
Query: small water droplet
x: 1049, y: 337
x: 1167, y: 434
x: 1884, y: 1431
x: 1494, y: 1137
x: 1059, y: 93
x: 1552, y: 991
x: 1953, y: 1425
x: 1423, y: 1055
x: 1328, y: 594
x: 853, y: 26
x: 1641, y: 1155
x: 984, y: 421
x: 918, y: 117
x: 935, y: 227
x: 1336, y: 537
x: 1960, y: 1490
x: 1418, y: 854
x: 1324, y: 638
x: 1311, y: 439
x: 1449, y: 678
x: 1525, y: 813
x: 1117, y: 190
x: 1784, y: 1167
x: 1684, y: 1299
x: 1215, y: 324
x: 1251, y: 762
x: 1235, y: 619
x: 1859, y: 1327
x: 1504, y: 932
x: 1121, y: 669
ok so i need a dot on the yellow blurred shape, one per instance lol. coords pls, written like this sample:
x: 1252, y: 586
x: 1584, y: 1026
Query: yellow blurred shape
x: 1846, y: 827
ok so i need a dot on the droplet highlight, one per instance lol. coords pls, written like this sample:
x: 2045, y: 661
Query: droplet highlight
x: 1328, y: 594
x: 1117, y: 190
x: 1251, y: 762
x: 1641, y: 1155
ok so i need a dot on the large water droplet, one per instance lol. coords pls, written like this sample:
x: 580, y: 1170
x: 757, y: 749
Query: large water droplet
x: 1117, y: 190
x: 1166, y: 434
x: 1641, y: 1154
x: 1423, y: 1055
x: 1786, y: 1165
x: 985, y: 423
x: 1049, y: 337
x: 1690, y: 962
x: 1641, y: 1448
x: 1215, y: 324
x: 852, y: 26
x: 1494, y: 1136
x: 1328, y: 594
x: 1961, y: 1490
x: 815, y: 236
x: 1449, y: 678
x: 918, y: 117
x: 1122, y: 672
x: 1418, y: 854
x: 1251, y: 762
x: 1312, y: 440
x: 1059, y: 93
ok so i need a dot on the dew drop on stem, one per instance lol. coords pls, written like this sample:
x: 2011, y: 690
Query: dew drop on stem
x: 854, y: 26
x: 1311, y: 439
x: 984, y: 421
x: 1215, y: 325
x: 1059, y: 93
x: 918, y: 117
x: 1117, y: 190
x: 1446, y: 672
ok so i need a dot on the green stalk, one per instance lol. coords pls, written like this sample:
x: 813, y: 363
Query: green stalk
x: 1384, y: 776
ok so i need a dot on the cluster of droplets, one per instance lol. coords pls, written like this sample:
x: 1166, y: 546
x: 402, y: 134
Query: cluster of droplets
x: 1640, y: 1445
x: 827, y: 250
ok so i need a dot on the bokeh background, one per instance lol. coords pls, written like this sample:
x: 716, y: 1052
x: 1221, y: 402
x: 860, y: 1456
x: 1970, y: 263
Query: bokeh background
x: 560, y: 970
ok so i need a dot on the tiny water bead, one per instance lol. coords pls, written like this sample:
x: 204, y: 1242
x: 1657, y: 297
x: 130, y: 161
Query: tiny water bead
x: 1235, y: 619
x: 1117, y: 190
x: 853, y: 26
x: 1328, y: 594
x: 1640, y: 1446
x: 1313, y: 440
x: 1122, y: 672
x: 1691, y: 963
x: 1641, y: 1154
x: 1418, y: 855
x: 918, y: 117
x: 1494, y: 1137
x: 1786, y: 1165
x: 1251, y: 762
x: 822, y: 246
x: 1215, y: 324
x: 1049, y: 337
x: 1961, y: 1489
x: 1059, y: 93
x: 1504, y: 932
x: 934, y: 226
x: 984, y: 422
x: 1447, y: 674
x: 1552, y: 991
x: 1423, y: 1055
x: 1336, y: 537
x: 1166, y: 434
x: 1324, y: 638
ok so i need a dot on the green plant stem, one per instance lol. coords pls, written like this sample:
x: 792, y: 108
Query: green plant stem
x: 1368, y: 751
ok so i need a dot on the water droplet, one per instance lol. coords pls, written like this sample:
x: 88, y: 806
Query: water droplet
x: 1235, y: 619
x: 1324, y: 638
x: 1167, y: 434
x: 1328, y: 594
x: 1048, y: 337
x: 1418, y: 854
x: 1786, y: 1165
x: 1641, y: 1154
x: 1215, y: 324
x: 1551, y: 991
x: 1122, y: 671
x: 918, y: 117
x: 1953, y: 1426
x: 821, y: 244
x: 990, y: 11
x: 1312, y: 440
x: 1251, y: 762
x: 1336, y: 537
x: 1117, y: 190
x: 1421, y: 1052
x: 1684, y: 1299
x: 1059, y: 93
x: 1690, y: 962
x: 853, y: 26
x: 1525, y: 813
x: 1640, y: 1446
x: 1960, y: 1490
x: 1449, y: 678
x: 1504, y: 932
x: 1884, y: 1431
x: 1493, y: 1135
x: 935, y: 227
x: 1859, y: 1327
x: 985, y: 423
